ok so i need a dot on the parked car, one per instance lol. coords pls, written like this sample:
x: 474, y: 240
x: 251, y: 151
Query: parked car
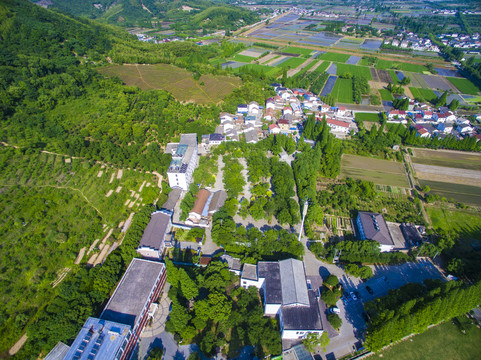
x: 369, y: 290
x: 353, y: 296
x: 335, y: 310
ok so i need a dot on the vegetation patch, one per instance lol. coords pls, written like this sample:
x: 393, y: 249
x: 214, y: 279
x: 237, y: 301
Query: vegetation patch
x: 179, y: 82
x: 243, y: 58
x: 442, y: 342
x: 292, y: 63
x: 297, y: 50
x: 464, y: 85
x: 455, y: 159
x: 330, y: 56
x: 394, y: 65
x: 463, y: 223
x: 467, y: 194
x: 367, y: 116
x: 342, y: 91
x: 378, y: 171
x: 355, y: 70
x: 386, y: 95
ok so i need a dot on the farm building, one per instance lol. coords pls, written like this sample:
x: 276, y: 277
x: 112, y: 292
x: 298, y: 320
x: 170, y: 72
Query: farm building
x: 372, y: 226
x: 338, y: 126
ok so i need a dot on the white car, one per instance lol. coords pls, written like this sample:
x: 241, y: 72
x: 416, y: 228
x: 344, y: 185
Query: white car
x: 335, y: 310
x: 353, y: 296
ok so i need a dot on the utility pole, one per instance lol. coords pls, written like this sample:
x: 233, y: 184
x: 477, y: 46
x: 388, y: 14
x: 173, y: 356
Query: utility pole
x: 304, y: 212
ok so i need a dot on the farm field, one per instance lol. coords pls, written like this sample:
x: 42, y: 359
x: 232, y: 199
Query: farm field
x: 163, y: 76
x: 466, y: 194
x: 322, y: 67
x: 386, y: 95
x: 464, y: 85
x: 342, y: 91
x: 243, y: 58
x: 297, y: 50
x: 426, y: 94
x: 367, y: 116
x: 442, y: 342
x: 342, y: 58
x: 457, y: 159
x: 464, y: 223
x: 292, y: 63
x: 383, y: 172
x: 448, y: 174
x: 354, y: 70
x: 394, y: 65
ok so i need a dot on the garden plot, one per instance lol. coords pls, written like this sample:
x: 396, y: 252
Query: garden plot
x: 384, y: 76
x: 232, y: 64
x: 354, y: 70
x: 329, y: 86
x: 417, y: 80
x: 278, y: 61
x: 448, y: 158
x: 374, y: 75
x: 464, y: 193
x: 464, y: 85
x: 253, y: 52
x: 353, y: 60
x: 437, y: 82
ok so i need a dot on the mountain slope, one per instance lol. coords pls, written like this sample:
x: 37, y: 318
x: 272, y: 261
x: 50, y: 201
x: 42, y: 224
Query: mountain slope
x: 188, y: 15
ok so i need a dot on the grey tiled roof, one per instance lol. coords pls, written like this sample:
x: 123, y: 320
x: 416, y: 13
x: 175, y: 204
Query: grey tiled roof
x: 273, y: 286
x: 249, y: 272
x: 154, y: 234
x: 293, y: 280
x: 375, y: 228
x: 299, y: 317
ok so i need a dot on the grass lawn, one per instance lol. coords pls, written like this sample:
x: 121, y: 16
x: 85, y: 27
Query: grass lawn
x: 426, y: 94
x: 179, y: 82
x: 378, y: 171
x: 335, y: 57
x: 243, y: 58
x: 297, y: 50
x: 386, y: 95
x: 466, y: 224
x: 354, y: 70
x: 292, y: 63
x: 464, y: 85
x: 466, y: 194
x: 367, y: 116
x: 442, y: 342
x: 342, y: 91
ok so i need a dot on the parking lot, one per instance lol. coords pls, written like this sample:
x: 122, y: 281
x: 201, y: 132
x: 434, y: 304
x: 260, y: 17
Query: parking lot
x: 385, y: 278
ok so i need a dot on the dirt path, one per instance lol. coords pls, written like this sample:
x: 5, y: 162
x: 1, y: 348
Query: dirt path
x: 18, y: 345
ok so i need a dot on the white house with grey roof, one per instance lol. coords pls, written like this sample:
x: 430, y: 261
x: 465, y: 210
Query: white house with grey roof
x: 284, y: 291
x: 372, y: 226
x: 184, y: 161
x: 153, y: 239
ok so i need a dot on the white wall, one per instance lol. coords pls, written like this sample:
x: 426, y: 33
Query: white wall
x: 245, y: 283
x: 149, y: 253
x: 298, y: 334
x: 272, y: 309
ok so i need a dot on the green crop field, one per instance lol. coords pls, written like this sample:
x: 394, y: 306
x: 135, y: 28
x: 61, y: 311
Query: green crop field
x: 455, y: 159
x: 261, y: 68
x: 243, y: 58
x: 297, y: 50
x: 386, y: 95
x: 367, y: 116
x: 463, y: 223
x: 383, y: 172
x: 394, y: 65
x: 394, y: 77
x: 179, y: 82
x: 464, y: 85
x: 426, y: 94
x: 323, y: 67
x: 466, y: 194
x: 363, y: 71
x: 442, y: 342
x: 342, y: 58
x: 310, y: 65
x: 342, y: 91
x: 292, y: 63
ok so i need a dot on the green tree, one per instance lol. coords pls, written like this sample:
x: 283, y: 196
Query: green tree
x: 156, y: 354
x: 334, y: 320
x: 331, y: 280
x: 312, y: 341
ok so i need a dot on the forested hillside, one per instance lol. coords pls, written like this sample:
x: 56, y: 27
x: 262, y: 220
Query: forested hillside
x: 186, y: 15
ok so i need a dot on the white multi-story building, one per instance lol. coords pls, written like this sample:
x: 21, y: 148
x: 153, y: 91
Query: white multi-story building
x: 184, y: 161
